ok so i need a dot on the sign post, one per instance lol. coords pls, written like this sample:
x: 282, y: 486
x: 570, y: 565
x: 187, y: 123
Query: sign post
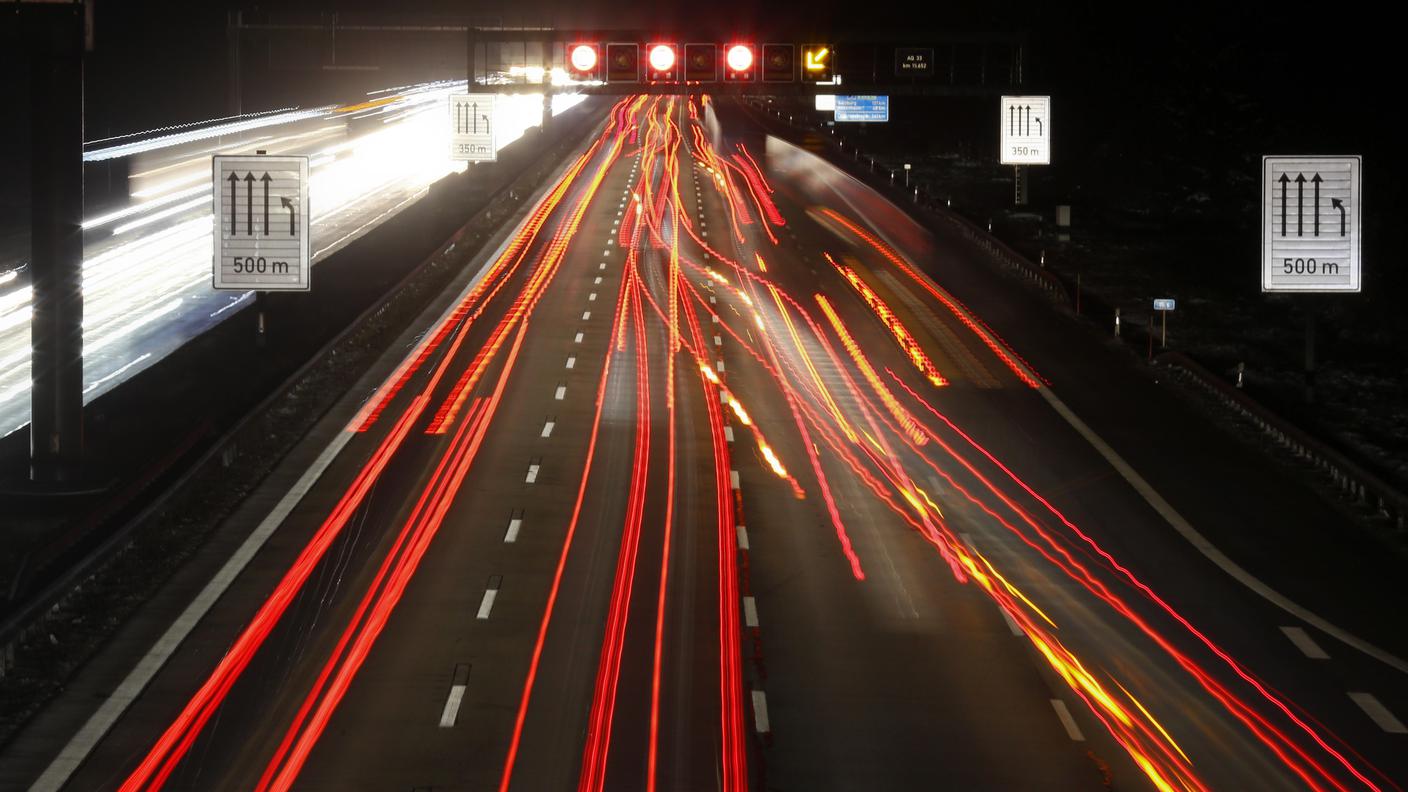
x: 472, y: 128
x: 1311, y: 222
x: 1163, y: 306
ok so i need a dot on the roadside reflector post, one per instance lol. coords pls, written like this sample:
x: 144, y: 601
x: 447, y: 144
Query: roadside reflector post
x: 1117, y: 323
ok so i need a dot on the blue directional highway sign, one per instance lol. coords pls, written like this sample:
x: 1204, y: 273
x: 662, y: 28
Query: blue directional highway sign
x: 865, y: 109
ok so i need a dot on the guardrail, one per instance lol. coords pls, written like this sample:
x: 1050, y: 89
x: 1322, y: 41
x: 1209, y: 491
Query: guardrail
x: 250, y: 430
x: 1348, y: 476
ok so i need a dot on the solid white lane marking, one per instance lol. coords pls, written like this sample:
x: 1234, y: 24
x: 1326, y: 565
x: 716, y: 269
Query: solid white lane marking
x: 586, y: 315
x: 560, y: 393
x: 728, y: 433
x: 512, y: 535
x: 1072, y: 730
x: 452, y: 706
x: 532, y: 474
x: 750, y: 612
x: 742, y: 537
x: 1378, y: 713
x: 572, y: 361
x: 733, y: 479
x: 487, y: 604
x: 1305, y: 643
x: 92, y: 731
x: 760, y: 712
x: 592, y: 297
x: 547, y: 428
x: 1193, y: 537
x: 578, y: 339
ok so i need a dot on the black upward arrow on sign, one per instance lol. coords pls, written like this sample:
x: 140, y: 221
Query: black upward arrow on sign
x: 266, y: 179
x: 249, y: 204
x: 234, y: 184
x: 1012, y: 119
x: 1300, y: 204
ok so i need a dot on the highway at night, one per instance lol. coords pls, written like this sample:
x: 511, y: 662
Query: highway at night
x: 704, y: 476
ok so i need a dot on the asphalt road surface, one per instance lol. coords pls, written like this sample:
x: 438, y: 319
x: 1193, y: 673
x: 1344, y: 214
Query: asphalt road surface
x: 703, y: 483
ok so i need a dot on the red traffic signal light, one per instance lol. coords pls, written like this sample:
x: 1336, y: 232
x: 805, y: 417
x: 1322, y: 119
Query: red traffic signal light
x: 662, y: 61
x: 779, y: 63
x: 623, y: 63
x: 738, y: 63
x: 701, y: 63
x: 582, y: 61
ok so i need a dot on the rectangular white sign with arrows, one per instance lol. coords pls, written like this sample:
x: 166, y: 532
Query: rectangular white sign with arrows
x: 261, y: 223
x: 472, y: 128
x: 1025, y: 138
x: 1310, y: 229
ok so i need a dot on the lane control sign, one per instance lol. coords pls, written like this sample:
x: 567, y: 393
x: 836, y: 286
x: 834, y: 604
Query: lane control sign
x: 1310, y: 224
x: 1025, y: 130
x: 472, y: 128
x: 261, y: 223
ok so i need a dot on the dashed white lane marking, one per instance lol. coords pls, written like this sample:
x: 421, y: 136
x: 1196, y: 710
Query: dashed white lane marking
x: 719, y: 365
x: 750, y: 612
x: 560, y: 393
x: 606, y: 252
x: 62, y: 767
x: 1378, y: 713
x: 728, y: 433
x: 511, y: 535
x: 713, y: 301
x: 591, y: 297
x: 578, y: 338
x: 1305, y: 643
x: 715, y: 317
x: 547, y: 428
x: 733, y: 479
x: 1072, y: 730
x: 452, y: 706
x: 586, y: 315
x: 718, y: 341
x: 742, y: 537
x: 603, y: 266
x: 532, y: 474
x: 572, y: 361
x: 760, y: 712
x: 597, y: 281
x: 491, y: 593
x: 618, y: 214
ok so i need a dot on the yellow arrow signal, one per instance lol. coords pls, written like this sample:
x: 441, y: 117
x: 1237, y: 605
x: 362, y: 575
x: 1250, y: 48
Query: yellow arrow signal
x: 816, y: 58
